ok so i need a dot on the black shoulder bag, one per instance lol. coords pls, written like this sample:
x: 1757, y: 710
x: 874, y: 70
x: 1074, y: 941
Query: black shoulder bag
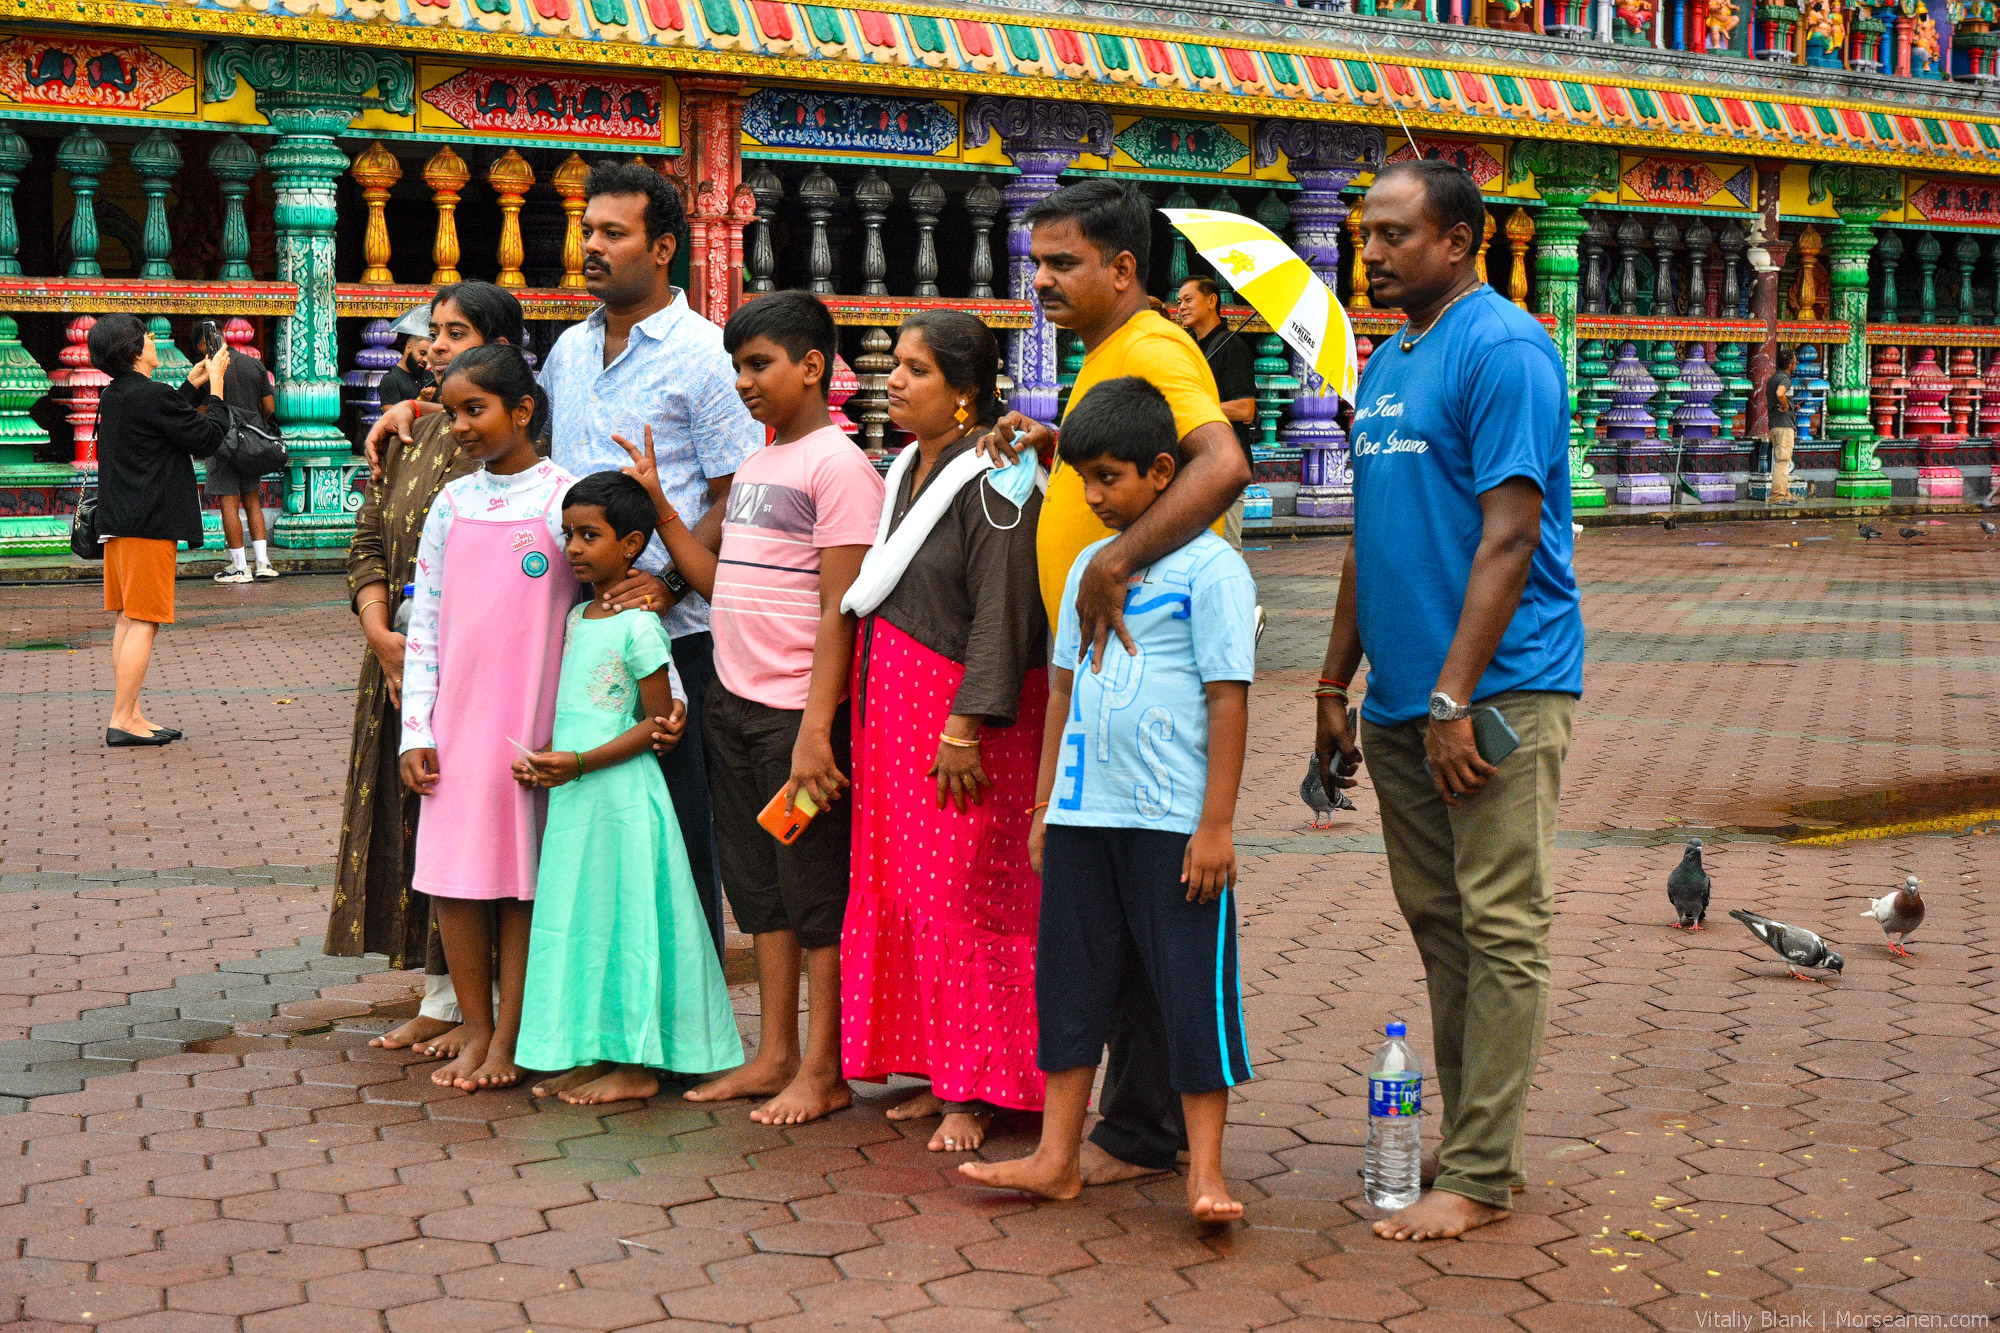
x: 250, y: 449
x: 84, y: 541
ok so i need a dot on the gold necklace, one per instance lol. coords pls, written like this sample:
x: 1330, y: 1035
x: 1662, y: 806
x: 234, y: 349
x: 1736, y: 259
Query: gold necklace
x: 1409, y: 343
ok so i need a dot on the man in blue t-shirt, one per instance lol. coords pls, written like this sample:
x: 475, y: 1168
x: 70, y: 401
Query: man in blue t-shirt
x: 1459, y: 589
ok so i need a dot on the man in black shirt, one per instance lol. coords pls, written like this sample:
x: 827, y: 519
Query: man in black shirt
x: 250, y: 394
x: 410, y: 376
x: 1784, y: 427
x: 1235, y: 366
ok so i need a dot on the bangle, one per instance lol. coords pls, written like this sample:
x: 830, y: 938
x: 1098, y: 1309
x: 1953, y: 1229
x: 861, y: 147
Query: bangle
x: 1329, y: 694
x: 950, y: 739
x: 1038, y: 805
x: 373, y: 601
x: 578, y: 756
x: 1340, y: 685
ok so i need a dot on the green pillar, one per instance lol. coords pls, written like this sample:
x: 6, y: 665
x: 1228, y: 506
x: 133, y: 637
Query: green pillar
x: 309, y: 94
x: 234, y: 165
x: 1565, y: 175
x: 85, y: 159
x: 1860, y: 194
x: 14, y: 159
x: 157, y: 161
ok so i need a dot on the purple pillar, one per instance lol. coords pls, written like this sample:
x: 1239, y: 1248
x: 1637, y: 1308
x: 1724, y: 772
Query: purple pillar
x: 1324, y: 159
x: 1044, y: 140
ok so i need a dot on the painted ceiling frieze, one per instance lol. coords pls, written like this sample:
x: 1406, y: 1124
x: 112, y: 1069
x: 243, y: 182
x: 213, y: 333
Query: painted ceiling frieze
x: 939, y: 49
x: 790, y: 118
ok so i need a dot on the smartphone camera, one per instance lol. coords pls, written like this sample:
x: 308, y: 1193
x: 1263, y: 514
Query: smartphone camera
x: 207, y: 339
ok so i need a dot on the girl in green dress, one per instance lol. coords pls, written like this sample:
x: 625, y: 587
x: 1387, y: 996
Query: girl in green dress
x: 622, y: 975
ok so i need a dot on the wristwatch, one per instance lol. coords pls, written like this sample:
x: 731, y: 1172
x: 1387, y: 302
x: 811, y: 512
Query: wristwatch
x: 1445, y: 709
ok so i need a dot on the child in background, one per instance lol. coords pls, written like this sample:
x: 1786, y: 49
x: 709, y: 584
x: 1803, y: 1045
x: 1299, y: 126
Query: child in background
x: 800, y: 514
x: 484, y: 652
x: 1141, y: 759
x: 621, y: 968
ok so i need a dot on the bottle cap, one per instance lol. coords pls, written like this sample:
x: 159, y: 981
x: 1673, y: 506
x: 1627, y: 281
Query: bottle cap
x: 1396, y: 1030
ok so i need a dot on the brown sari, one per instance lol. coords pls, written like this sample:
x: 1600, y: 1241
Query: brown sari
x: 374, y: 908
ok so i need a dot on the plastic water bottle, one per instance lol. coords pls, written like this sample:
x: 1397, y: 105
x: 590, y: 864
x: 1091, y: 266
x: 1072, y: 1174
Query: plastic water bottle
x: 1394, y: 1161
x: 400, y: 622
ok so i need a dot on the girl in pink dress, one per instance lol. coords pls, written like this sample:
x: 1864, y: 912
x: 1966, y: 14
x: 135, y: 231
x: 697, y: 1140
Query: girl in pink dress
x: 493, y: 589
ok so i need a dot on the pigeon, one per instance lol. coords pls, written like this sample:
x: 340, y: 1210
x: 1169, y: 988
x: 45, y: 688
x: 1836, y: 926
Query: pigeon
x: 1798, y: 946
x: 1687, y: 889
x: 1900, y: 913
x: 1869, y: 534
x: 1668, y: 523
x: 1314, y: 793
x: 1987, y: 527
x: 1908, y: 534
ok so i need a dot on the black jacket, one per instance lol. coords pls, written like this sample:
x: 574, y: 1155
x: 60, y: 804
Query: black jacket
x: 147, y: 436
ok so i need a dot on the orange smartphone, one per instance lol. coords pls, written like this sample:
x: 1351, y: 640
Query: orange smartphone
x: 787, y: 827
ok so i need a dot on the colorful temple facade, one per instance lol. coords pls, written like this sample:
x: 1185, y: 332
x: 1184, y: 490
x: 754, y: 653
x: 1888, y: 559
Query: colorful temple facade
x: 1677, y: 187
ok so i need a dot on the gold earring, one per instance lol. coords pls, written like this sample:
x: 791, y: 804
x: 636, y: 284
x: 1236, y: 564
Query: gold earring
x: 961, y: 414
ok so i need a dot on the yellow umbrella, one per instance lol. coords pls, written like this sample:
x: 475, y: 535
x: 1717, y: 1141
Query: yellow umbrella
x: 1278, y: 284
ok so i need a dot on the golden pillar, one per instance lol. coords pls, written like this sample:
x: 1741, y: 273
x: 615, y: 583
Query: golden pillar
x: 511, y: 178
x: 570, y: 179
x: 446, y: 174
x: 1520, y: 230
x: 1358, y: 300
x: 376, y: 171
x: 1485, y: 240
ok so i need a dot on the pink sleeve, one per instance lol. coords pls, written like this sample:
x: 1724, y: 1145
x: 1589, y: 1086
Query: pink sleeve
x: 847, y: 498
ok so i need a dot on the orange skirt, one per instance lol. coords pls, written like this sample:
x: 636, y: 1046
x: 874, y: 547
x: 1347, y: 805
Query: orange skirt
x: 139, y: 578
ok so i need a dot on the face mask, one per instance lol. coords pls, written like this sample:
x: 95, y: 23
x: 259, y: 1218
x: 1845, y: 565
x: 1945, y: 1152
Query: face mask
x: 1016, y: 481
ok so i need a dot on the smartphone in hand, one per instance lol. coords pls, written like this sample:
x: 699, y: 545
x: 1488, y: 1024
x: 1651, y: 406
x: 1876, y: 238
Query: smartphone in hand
x: 207, y: 339
x: 786, y: 826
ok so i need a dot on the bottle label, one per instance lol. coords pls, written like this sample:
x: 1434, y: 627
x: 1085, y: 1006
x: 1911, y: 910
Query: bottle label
x: 1396, y: 1096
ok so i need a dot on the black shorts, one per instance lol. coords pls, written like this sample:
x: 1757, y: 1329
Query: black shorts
x: 1110, y: 893
x: 770, y: 886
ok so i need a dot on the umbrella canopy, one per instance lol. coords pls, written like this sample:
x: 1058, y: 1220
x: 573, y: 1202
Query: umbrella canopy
x: 1280, y: 286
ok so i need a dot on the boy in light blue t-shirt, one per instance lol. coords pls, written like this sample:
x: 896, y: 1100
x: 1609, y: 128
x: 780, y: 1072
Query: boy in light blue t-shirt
x: 1141, y: 759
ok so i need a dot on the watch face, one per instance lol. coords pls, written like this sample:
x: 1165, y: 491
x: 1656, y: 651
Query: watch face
x: 1441, y: 707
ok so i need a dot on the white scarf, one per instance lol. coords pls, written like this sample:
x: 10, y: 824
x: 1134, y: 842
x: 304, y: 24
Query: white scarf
x: 888, y: 559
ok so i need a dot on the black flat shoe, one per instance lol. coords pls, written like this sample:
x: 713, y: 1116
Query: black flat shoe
x: 117, y: 739
x: 171, y: 733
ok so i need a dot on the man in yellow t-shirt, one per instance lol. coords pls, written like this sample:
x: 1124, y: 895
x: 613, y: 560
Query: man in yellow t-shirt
x: 1090, y: 243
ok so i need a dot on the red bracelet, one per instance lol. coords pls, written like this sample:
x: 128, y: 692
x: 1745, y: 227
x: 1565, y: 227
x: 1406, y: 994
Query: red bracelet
x: 1336, y: 684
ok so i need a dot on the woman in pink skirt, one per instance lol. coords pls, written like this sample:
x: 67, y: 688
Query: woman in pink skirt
x: 950, y: 683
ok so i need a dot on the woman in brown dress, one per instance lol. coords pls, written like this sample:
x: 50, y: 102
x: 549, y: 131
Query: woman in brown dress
x: 374, y: 908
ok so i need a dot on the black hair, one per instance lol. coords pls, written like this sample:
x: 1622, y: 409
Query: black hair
x: 501, y: 370
x: 624, y: 501
x: 1112, y: 215
x: 1205, y: 285
x: 1787, y: 358
x: 665, y: 214
x: 797, y: 321
x: 966, y: 355
x: 115, y: 343
x: 492, y: 309
x: 1127, y: 419
x: 1450, y: 193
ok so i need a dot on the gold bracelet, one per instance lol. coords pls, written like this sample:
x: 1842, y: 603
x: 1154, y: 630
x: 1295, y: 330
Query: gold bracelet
x: 950, y: 739
x: 378, y: 601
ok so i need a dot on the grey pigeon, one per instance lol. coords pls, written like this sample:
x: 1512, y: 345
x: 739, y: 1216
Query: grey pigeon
x: 1798, y: 946
x: 1908, y: 534
x: 1687, y: 889
x: 1899, y: 913
x: 1869, y: 534
x: 1313, y: 792
x: 1986, y: 526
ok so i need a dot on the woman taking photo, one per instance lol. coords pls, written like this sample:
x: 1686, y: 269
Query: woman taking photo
x: 950, y: 684
x: 147, y: 438
x: 374, y: 908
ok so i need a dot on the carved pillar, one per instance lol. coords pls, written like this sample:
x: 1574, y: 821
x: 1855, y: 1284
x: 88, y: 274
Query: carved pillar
x: 1928, y: 250
x: 570, y: 180
x: 1566, y: 175
x: 85, y: 159
x: 376, y: 172
x: 712, y: 160
x: 1177, y: 263
x: 1766, y: 253
x: 872, y: 198
x: 234, y: 165
x: 1520, y: 230
x: 1631, y: 239
x: 309, y: 94
x: 1666, y: 239
x: 14, y: 159
x: 84, y: 383
x: 23, y: 383
x: 1044, y: 139
x: 761, y: 273
x: 1699, y: 238
x: 1358, y: 275
x: 819, y: 194
x: 446, y: 174
x: 926, y: 202
x: 511, y: 178
x: 1324, y: 159
x: 1593, y: 280
x: 156, y: 161
x: 1861, y: 194
x: 1734, y: 290
x: 982, y: 203
x: 1486, y: 230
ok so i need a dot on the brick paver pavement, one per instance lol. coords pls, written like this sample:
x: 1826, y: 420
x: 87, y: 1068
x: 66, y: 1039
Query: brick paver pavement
x: 1707, y: 1139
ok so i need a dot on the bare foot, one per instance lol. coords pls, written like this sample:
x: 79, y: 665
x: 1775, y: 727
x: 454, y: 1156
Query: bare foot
x: 498, y: 1069
x: 759, y: 1078
x: 1209, y: 1201
x: 1034, y: 1175
x: 925, y: 1103
x: 1439, y: 1215
x: 413, y: 1033
x: 1099, y: 1167
x: 806, y: 1097
x: 562, y: 1084
x: 459, y: 1073
x: 448, y: 1045
x: 625, y: 1083
x: 962, y: 1131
